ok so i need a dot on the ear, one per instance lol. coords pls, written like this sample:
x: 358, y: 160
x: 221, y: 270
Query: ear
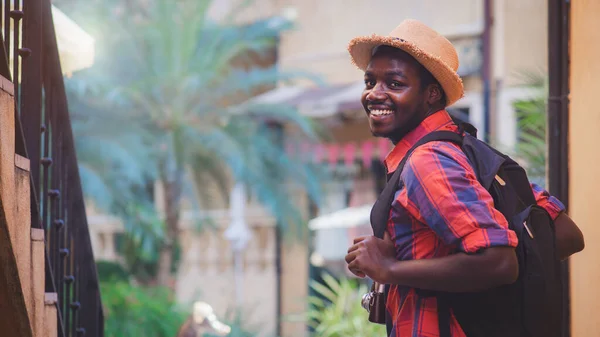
x: 434, y: 94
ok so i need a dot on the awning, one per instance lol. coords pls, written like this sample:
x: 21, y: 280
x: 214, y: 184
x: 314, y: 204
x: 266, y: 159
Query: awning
x: 335, y: 232
x: 316, y: 102
x: 75, y: 46
x: 277, y: 96
x: 349, y: 217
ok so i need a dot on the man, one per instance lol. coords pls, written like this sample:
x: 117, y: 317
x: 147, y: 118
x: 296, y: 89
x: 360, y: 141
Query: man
x: 442, y: 215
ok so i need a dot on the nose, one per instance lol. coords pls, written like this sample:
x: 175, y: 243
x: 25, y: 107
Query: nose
x: 376, y: 94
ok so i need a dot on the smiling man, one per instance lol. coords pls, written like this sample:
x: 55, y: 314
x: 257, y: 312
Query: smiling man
x: 444, y: 233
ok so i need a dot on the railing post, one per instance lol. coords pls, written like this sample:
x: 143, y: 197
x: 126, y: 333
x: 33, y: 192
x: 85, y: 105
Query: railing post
x: 7, y: 37
x: 31, y: 95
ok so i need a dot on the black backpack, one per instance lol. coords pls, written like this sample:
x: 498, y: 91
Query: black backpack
x: 530, y: 307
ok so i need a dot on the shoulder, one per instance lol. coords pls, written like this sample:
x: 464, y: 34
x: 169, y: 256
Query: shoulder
x: 438, y: 167
x: 438, y: 156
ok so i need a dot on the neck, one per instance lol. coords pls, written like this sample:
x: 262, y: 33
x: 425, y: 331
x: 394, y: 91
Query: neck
x: 412, y: 124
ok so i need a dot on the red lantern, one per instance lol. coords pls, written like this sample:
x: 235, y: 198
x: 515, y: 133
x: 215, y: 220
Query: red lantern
x: 367, y: 152
x: 334, y: 152
x: 349, y: 154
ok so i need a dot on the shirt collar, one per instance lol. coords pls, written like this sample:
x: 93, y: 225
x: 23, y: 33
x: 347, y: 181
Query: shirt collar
x: 440, y: 120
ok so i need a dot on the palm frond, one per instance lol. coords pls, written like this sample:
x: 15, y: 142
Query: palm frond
x: 341, y: 313
x: 207, y: 170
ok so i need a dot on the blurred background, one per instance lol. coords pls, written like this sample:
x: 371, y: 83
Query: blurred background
x: 226, y: 163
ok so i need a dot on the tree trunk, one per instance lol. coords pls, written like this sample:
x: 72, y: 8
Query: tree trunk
x: 172, y: 190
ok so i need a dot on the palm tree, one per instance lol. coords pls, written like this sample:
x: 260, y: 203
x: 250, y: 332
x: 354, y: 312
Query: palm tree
x: 164, y: 102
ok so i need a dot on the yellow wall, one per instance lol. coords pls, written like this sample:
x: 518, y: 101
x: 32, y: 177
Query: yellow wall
x: 521, y: 25
x: 324, y: 29
x: 584, y: 160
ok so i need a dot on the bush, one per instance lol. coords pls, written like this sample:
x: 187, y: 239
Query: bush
x: 109, y: 271
x: 337, y: 312
x: 131, y: 310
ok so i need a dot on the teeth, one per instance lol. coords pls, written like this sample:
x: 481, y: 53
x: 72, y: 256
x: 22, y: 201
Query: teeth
x: 381, y: 112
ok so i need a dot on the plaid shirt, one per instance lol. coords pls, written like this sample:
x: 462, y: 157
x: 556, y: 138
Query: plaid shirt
x: 442, y: 208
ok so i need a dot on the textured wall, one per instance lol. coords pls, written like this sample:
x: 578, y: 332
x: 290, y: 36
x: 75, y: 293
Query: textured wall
x: 15, y: 249
x: 584, y: 160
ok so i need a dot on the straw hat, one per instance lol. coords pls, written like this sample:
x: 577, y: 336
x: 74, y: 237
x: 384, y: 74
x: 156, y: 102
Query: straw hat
x: 426, y: 45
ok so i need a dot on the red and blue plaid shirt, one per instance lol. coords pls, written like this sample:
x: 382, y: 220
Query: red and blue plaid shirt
x: 442, y: 208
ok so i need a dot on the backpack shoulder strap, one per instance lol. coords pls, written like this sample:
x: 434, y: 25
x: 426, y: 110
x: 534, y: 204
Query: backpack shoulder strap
x: 468, y: 128
x: 381, y: 210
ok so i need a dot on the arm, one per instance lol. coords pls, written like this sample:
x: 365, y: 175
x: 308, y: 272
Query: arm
x: 458, y: 272
x: 453, y: 273
x: 443, y: 192
x: 569, y: 239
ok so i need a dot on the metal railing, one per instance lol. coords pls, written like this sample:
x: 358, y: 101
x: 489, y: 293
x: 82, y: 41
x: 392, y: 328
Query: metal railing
x: 30, y: 59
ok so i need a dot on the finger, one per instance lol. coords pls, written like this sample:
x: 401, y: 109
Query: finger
x: 359, y: 239
x: 353, y: 248
x: 356, y: 264
x: 351, y: 256
x: 355, y: 269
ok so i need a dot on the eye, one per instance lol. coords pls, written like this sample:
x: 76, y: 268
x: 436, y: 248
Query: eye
x: 396, y: 84
x: 369, y: 83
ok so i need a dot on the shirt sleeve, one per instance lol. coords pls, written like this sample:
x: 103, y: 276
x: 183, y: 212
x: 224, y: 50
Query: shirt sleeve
x: 443, y: 192
x: 550, y: 203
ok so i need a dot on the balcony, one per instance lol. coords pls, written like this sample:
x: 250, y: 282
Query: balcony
x: 49, y: 283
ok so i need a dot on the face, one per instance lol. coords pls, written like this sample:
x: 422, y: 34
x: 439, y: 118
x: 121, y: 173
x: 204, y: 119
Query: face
x: 393, y: 98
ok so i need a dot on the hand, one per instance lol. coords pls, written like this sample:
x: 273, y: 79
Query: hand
x: 371, y: 256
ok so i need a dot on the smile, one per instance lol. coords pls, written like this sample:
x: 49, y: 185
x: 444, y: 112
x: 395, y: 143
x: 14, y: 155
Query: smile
x: 380, y: 112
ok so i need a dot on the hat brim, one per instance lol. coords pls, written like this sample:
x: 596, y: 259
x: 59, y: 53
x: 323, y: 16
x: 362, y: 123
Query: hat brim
x: 361, y: 49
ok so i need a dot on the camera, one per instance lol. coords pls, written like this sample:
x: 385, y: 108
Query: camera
x: 374, y: 303
x: 367, y: 301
